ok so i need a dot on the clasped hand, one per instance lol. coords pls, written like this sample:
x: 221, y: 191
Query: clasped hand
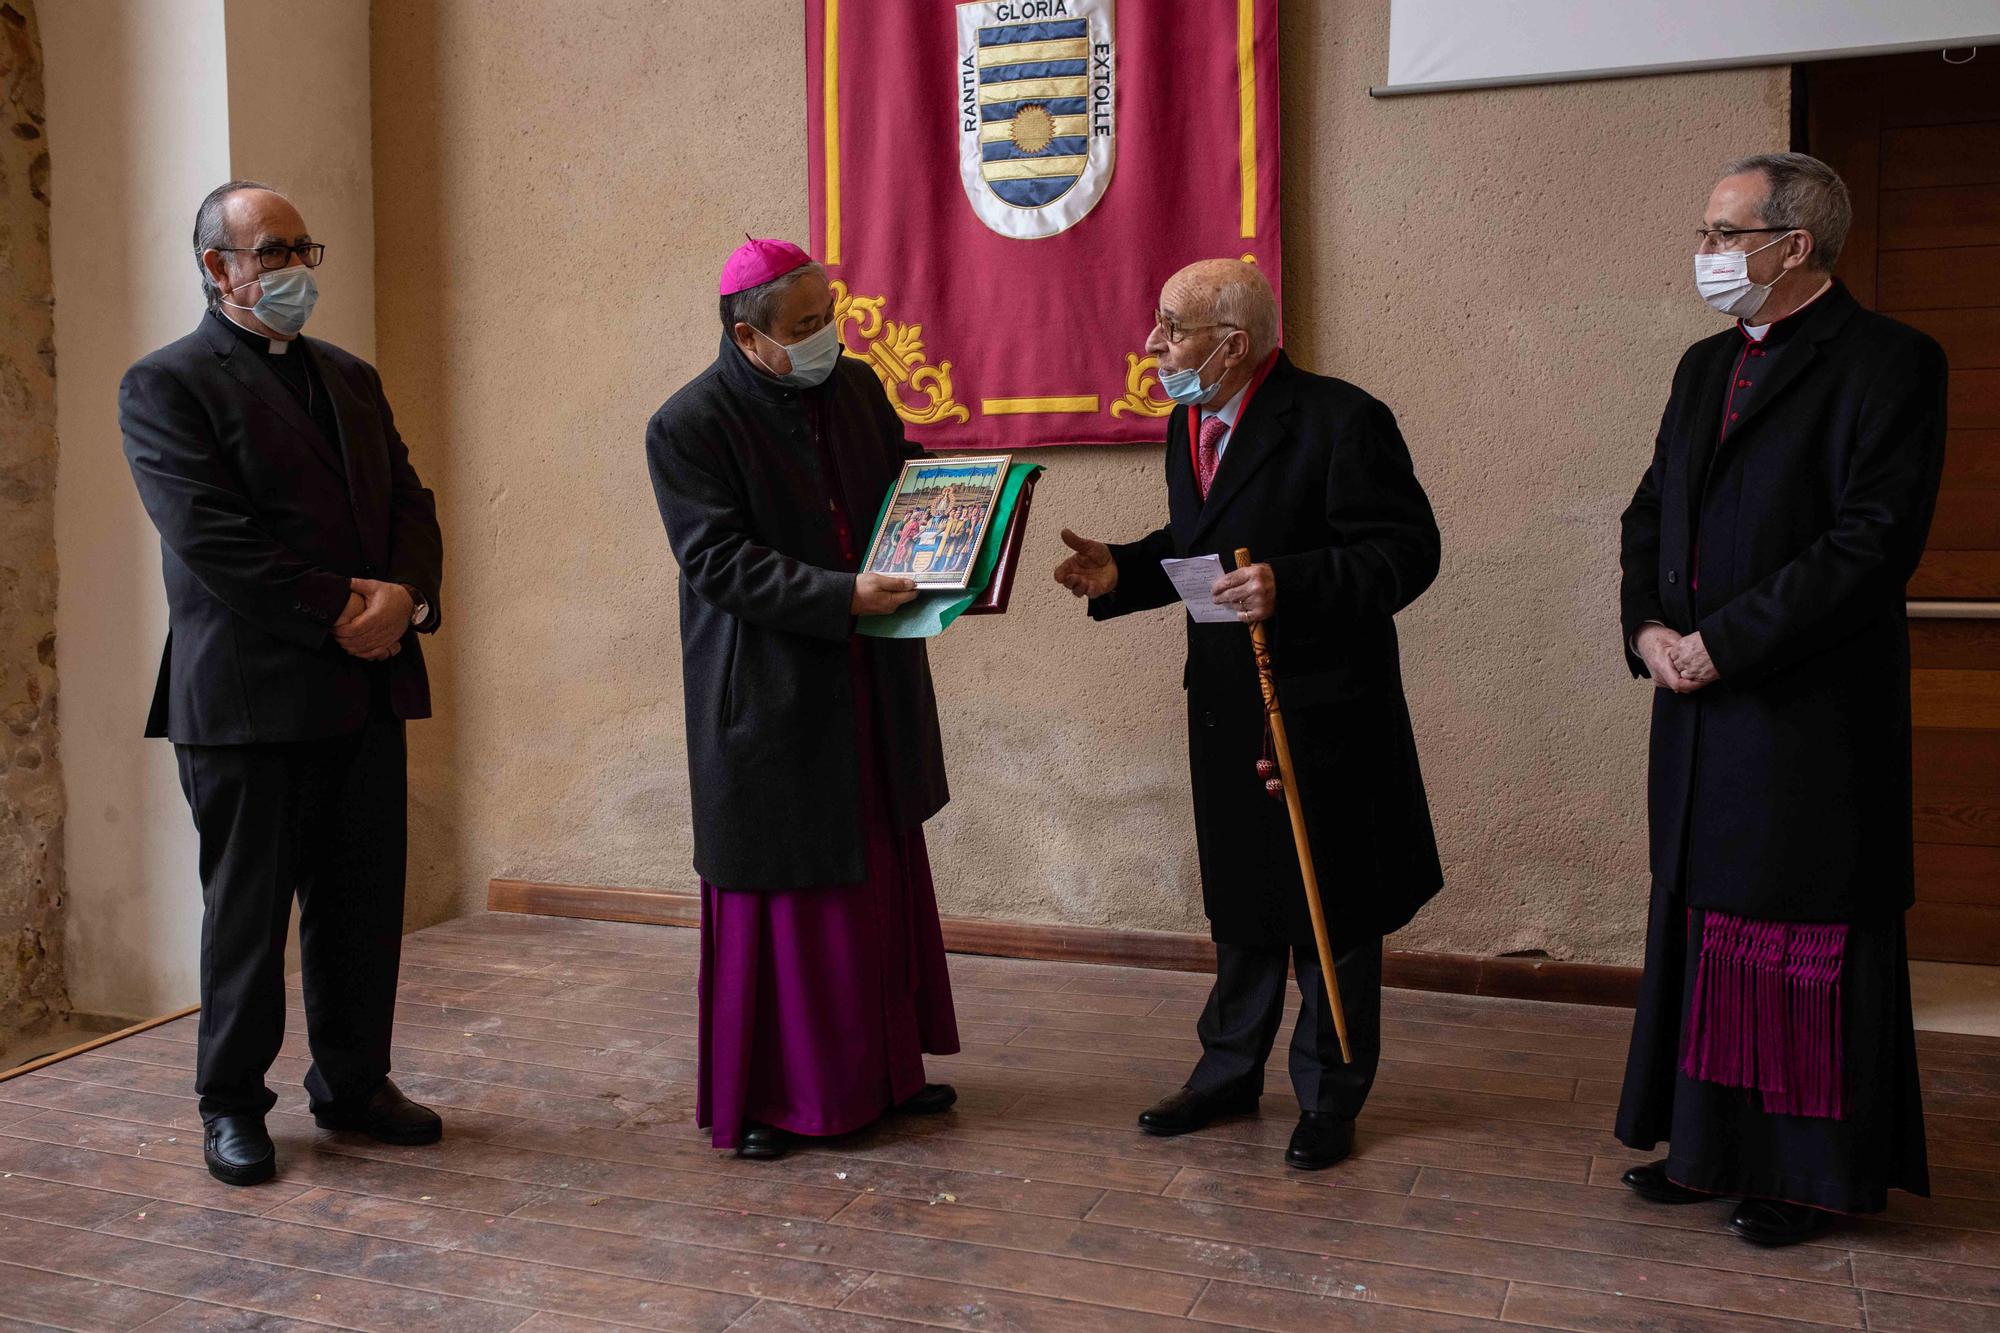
x: 375, y: 620
x: 1677, y: 662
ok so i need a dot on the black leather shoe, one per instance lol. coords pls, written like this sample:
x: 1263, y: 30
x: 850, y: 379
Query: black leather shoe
x: 238, y: 1149
x: 1775, y: 1222
x: 1319, y: 1141
x: 387, y: 1117
x: 1187, y: 1110
x: 763, y: 1143
x: 933, y: 1100
x: 1650, y: 1183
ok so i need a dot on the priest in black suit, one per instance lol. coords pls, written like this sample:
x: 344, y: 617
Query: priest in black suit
x: 302, y: 559
x: 1311, y: 474
x: 1765, y: 558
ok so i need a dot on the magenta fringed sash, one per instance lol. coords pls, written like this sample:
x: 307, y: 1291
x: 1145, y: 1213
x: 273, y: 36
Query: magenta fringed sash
x: 1766, y: 1012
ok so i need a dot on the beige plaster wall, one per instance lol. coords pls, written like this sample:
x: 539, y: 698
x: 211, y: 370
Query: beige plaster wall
x: 150, y: 106
x: 1508, y: 270
x: 137, y: 133
x: 299, y: 119
x: 31, y: 796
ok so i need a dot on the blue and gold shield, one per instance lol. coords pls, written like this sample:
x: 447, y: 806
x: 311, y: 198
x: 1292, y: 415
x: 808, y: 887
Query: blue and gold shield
x: 1037, y: 108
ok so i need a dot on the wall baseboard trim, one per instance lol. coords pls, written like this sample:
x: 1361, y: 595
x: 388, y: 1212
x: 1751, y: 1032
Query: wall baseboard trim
x: 1458, y: 974
x: 84, y: 1047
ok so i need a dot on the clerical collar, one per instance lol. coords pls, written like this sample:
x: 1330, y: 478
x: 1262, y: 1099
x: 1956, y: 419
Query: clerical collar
x: 268, y: 346
x: 1756, y: 333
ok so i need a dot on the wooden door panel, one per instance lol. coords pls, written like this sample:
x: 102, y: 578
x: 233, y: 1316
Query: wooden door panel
x: 1918, y: 142
x: 1970, y: 338
x: 1969, y: 574
x: 1913, y: 158
x: 1972, y: 458
x: 1957, y: 795
x: 1956, y: 700
x: 1967, y: 520
x: 1968, y: 645
x: 1946, y: 215
x: 1936, y: 279
x: 1953, y: 932
x: 1967, y: 873
x: 1956, y: 815
x: 1974, y: 399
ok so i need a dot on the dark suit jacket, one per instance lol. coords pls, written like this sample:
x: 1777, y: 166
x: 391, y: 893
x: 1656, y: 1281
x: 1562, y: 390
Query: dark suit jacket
x: 767, y: 643
x: 262, y: 521
x: 1782, y: 791
x: 1316, y: 481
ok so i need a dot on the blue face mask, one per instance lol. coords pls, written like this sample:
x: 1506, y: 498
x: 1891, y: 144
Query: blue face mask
x: 1185, y: 387
x: 287, y: 298
x: 813, y: 356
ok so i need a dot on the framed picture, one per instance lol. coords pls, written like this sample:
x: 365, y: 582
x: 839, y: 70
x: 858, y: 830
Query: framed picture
x: 936, y: 518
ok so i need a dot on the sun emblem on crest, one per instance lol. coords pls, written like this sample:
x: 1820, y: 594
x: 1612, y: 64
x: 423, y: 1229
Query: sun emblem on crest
x: 1034, y: 129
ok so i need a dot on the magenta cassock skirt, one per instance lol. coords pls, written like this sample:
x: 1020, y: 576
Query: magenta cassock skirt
x: 818, y: 1005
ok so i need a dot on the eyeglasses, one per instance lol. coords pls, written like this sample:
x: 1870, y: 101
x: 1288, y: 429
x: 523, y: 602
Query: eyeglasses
x: 1724, y: 235
x: 1176, y: 331
x: 279, y: 256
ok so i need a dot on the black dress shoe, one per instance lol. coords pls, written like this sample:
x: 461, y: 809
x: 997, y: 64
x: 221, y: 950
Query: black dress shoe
x: 387, y: 1117
x: 1319, y: 1141
x: 1187, y: 1110
x: 1775, y: 1222
x: 762, y: 1143
x: 1650, y: 1183
x: 934, y: 1099
x: 238, y: 1150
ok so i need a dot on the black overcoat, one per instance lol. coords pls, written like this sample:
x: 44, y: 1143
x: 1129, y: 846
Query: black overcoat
x: 750, y: 510
x: 1782, y: 791
x: 1317, y: 482
x: 262, y: 522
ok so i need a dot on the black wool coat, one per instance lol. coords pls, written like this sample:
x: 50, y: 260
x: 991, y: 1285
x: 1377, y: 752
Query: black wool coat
x: 1782, y: 791
x: 262, y: 522
x: 1317, y: 482
x: 765, y: 587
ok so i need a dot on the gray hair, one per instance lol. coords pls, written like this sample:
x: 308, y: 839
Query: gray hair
x: 756, y: 305
x: 1248, y: 304
x: 212, y: 233
x: 1804, y: 194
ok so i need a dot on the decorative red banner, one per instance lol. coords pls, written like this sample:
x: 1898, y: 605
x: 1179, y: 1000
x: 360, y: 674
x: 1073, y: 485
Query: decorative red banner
x: 1000, y: 188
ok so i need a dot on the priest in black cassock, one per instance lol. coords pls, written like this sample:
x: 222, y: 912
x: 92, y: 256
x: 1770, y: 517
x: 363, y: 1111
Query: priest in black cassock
x: 1765, y: 557
x: 1312, y: 475
x: 814, y: 755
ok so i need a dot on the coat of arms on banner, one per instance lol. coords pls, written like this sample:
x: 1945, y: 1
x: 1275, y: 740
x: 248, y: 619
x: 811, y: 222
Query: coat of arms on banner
x: 1037, y: 111
x: 988, y: 263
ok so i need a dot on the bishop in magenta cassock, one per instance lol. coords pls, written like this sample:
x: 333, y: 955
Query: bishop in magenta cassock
x: 814, y: 754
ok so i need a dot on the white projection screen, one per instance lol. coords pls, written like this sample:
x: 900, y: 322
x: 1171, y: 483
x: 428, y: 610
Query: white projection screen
x: 1448, y: 45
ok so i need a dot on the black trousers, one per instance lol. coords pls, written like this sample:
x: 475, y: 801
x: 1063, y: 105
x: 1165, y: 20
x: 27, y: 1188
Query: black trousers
x: 324, y: 820
x: 1247, y: 1004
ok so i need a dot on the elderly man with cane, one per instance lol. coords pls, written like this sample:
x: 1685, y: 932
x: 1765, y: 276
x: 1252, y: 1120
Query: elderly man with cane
x: 1310, y: 475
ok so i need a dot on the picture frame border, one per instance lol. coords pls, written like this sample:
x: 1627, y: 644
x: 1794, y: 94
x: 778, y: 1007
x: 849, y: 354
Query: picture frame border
x: 962, y: 581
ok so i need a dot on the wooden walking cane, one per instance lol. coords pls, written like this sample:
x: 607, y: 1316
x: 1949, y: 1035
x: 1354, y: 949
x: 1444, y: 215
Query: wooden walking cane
x: 1261, y: 646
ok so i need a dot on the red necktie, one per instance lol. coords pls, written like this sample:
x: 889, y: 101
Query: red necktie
x: 1208, y: 451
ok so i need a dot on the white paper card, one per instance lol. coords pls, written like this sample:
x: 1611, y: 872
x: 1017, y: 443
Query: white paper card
x: 1192, y: 578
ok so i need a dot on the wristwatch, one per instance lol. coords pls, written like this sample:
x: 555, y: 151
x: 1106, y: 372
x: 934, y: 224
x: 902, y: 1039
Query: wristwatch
x: 420, y: 610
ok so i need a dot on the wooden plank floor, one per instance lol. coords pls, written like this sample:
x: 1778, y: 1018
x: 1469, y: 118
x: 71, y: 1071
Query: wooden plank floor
x: 573, y: 1192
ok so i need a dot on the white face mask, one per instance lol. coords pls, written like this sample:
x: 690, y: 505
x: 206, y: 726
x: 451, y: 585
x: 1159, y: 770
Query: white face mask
x: 813, y: 356
x: 1723, y: 279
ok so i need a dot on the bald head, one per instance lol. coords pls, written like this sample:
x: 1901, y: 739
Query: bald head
x: 1226, y: 291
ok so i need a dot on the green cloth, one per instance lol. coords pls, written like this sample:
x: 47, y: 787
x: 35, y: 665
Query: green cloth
x: 931, y: 612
